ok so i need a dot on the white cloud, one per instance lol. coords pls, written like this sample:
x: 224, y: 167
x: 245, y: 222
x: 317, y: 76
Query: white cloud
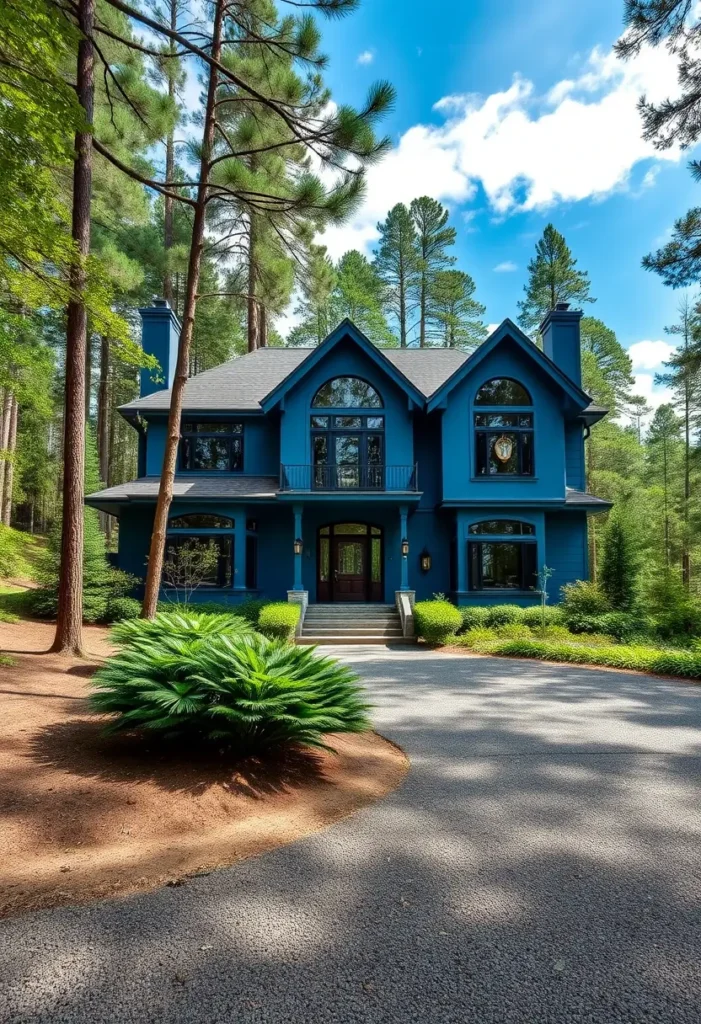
x: 578, y: 141
x: 491, y: 328
x: 653, y: 394
x: 366, y: 57
x: 649, y: 355
x: 507, y: 267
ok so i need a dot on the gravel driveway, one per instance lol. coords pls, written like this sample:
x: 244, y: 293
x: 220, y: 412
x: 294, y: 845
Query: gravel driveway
x: 540, y: 864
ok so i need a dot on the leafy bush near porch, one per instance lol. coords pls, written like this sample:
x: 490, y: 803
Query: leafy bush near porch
x: 435, y: 621
x: 123, y: 608
x: 181, y: 625
x: 246, y: 691
x: 278, y: 620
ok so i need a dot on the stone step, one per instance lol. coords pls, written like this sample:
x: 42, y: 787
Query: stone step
x: 306, y: 640
x: 365, y: 620
x: 369, y: 631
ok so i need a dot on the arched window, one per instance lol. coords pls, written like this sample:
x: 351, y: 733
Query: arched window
x: 502, y: 391
x: 347, y: 393
x: 201, y: 521
x: 503, y: 439
x: 502, y: 564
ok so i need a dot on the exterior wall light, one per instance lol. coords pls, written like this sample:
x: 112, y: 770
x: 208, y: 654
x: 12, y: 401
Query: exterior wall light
x: 298, y: 546
x: 405, y: 547
x: 425, y: 560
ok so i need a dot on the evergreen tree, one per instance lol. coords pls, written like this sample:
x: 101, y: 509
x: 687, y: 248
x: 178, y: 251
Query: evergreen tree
x: 664, y: 446
x: 314, y: 308
x: 552, y: 278
x: 397, y: 264
x: 360, y: 296
x: 456, y: 314
x: 433, y: 238
x: 607, y: 370
x: 619, y: 563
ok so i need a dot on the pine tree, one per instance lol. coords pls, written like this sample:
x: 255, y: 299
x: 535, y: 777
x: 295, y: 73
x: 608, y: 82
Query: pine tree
x: 619, y: 563
x: 456, y: 314
x: 314, y: 308
x: 553, y: 278
x: 607, y: 370
x: 433, y: 239
x: 397, y: 264
x: 360, y: 295
x: 663, y: 444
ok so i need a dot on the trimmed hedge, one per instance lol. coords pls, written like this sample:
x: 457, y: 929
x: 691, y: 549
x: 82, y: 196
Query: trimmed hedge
x: 278, y: 621
x: 435, y: 621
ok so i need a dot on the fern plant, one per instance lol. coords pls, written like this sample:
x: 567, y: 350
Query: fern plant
x: 246, y: 690
x: 189, y: 625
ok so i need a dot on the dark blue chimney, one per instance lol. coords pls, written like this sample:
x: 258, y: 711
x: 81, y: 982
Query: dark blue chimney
x: 561, y: 341
x: 160, y: 331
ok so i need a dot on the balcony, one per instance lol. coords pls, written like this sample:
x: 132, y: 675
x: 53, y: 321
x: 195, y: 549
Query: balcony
x: 349, y: 478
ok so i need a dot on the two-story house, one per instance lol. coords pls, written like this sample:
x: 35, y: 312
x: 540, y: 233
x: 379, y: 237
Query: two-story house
x: 348, y: 473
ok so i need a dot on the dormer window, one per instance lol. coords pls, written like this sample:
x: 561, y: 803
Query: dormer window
x: 211, y: 447
x: 503, y: 429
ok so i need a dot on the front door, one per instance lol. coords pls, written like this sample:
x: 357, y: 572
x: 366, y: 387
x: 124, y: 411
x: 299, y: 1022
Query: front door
x: 349, y: 563
x: 349, y: 568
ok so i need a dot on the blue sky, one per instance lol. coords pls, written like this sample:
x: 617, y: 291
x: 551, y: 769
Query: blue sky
x: 513, y: 115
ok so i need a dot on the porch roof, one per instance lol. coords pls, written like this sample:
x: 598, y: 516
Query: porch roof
x: 200, y: 488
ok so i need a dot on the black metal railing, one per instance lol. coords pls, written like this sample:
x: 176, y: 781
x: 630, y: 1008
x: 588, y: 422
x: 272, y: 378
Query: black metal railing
x: 348, y: 478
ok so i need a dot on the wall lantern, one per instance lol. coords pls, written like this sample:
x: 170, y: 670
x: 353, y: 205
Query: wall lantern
x: 298, y: 546
x: 425, y: 560
x: 405, y: 547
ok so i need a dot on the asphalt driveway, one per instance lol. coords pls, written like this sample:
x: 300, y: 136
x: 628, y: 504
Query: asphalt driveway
x: 541, y: 863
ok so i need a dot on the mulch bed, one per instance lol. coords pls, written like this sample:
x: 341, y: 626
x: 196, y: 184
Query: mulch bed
x: 84, y: 817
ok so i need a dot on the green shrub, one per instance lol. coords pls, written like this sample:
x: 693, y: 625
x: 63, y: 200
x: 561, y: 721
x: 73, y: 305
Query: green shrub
x: 479, y: 638
x: 251, y: 609
x: 502, y: 614
x: 472, y: 615
x: 583, y: 598
x: 278, y: 620
x: 513, y: 631
x: 625, y: 625
x: 435, y: 621
x: 123, y: 608
x: 620, y: 565
x: 248, y: 691
x: 533, y: 616
x: 684, y: 618
x: 181, y: 625
x: 551, y: 633
x: 18, y: 553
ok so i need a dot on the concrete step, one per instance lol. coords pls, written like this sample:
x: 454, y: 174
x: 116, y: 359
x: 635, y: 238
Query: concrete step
x: 365, y: 620
x: 306, y: 640
x: 368, y: 631
x: 352, y: 609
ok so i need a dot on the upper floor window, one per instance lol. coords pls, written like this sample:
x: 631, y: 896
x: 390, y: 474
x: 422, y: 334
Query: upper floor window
x: 201, y: 521
x: 508, y: 526
x: 212, y: 447
x: 503, y: 440
x: 347, y: 393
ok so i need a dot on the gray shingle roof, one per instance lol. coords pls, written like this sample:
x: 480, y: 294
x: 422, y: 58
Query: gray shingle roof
x: 575, y: 497
x: 191, y: 487
x: 241, y: 384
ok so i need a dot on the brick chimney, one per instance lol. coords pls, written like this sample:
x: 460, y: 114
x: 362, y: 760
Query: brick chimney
x: 561, y: 340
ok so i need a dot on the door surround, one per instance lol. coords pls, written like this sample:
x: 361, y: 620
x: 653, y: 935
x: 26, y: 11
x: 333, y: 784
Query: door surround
x: 332, y: 584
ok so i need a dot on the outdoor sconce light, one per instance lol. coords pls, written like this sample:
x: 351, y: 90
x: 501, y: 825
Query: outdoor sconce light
x: 425, y: 560
x: 298, y: 546
x: 405, y: 547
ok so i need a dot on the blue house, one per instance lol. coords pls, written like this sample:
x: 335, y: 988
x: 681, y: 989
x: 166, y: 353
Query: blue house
x: 348, y: 473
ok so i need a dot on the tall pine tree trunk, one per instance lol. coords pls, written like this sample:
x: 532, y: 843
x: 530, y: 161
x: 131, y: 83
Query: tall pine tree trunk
x: 165, y: 490
x: 69, y: 625
x: 262, y: 326
x: 10, y: 470
x: 402, y: 309
x: 103, y: 420
x: 4, y: 438
x: 252, y: 305
x: 422, y: 313
x: 88, y: 374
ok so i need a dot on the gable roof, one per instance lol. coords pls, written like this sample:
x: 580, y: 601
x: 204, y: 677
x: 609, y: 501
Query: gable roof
x: 346, y: 329
x: 508, y: 329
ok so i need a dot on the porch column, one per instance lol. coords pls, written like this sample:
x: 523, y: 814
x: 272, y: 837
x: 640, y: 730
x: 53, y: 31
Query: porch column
x: 298, y: 585
x: 403, y: 513
x: 239, y: 515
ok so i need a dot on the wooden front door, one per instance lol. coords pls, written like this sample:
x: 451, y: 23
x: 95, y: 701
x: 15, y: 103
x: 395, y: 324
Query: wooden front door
x: 349, y: 569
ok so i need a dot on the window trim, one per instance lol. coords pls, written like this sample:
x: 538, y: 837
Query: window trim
x: 229, y: 435
x: 521, y: 542
x: 484, y: 431
x: 212, y: 532
x: 496, y: 405
x: 330, y: 409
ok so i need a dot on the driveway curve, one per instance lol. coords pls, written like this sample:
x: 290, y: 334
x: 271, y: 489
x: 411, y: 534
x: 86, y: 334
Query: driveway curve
x: 539, y: 865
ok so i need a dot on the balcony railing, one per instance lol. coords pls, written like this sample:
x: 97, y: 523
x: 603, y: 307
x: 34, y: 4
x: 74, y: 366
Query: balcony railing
x: 348, y: 478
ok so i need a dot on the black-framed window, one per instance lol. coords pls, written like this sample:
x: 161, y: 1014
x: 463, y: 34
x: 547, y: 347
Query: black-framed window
x: 348, y: 451
x: 222, y: 572
x: 503, y: 440
x: 502, y: 565
x: 211, y: 447
x: 201, y: 521
x: 347, y: 393
x: 512, y: 527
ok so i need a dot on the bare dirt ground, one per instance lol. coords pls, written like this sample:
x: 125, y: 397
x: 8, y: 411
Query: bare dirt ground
x: 84, y: 817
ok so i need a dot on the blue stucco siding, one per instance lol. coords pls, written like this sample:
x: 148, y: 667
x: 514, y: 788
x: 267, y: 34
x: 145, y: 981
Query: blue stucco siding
x: 458, y: 450
x: 135, y: 526
x: 345, y: 359
x: 574, y: 455
x: 566, y: 549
